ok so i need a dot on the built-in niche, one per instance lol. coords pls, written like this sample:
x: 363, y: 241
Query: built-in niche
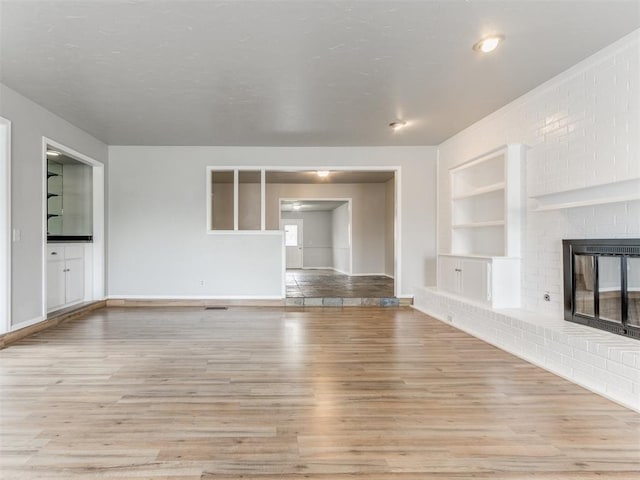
x: 69, y: 197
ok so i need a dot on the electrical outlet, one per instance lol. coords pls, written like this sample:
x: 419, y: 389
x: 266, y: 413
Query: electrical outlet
x: 202, y: 283
x: 450, y: 318
x: 547, y: 297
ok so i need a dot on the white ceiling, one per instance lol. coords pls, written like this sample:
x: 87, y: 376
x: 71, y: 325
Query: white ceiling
x: 291, y: 72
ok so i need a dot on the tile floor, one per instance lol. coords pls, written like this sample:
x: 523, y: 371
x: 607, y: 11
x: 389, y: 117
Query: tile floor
x: 328, y: 283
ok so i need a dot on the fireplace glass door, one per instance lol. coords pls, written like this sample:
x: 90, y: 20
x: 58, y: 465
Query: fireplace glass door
x: 585, y: 277
x: 602, y: 284
x: 633, y: 291
x: 610, y: 288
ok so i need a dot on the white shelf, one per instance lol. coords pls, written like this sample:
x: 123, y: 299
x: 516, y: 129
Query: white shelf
x: 615, y: 192
x: 480, y: 191
x: 494, y: 223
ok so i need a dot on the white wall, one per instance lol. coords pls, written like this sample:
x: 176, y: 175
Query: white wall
x: 368, y: 225
x: 340, y: 238
x: 582, y: 129
x: 30, y: 123
x: 316, y: 239
x: 157, y: 204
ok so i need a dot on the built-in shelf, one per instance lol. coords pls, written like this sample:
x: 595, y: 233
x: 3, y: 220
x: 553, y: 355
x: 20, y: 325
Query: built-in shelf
x: 483, y: 262
x: 494, y: 223
x: 622, y: 191
x: 480, y: 191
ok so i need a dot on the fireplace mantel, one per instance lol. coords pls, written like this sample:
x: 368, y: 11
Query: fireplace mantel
x: 621, y: 191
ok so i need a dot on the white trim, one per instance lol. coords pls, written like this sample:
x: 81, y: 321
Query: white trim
x: 98, y: 201
x: 244, y: 232
x: 263, y: 199
x: 195, y: 297
x: 283, y: 267
x: 437, y: 279
x: 5, y: 228
x: 236, y: 196
x: 27, y: 323
x: 397, y: 244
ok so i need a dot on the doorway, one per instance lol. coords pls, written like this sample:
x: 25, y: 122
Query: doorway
x: 319, y: 251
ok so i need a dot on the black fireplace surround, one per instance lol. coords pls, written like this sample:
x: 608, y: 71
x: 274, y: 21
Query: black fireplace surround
x: 602, y: 284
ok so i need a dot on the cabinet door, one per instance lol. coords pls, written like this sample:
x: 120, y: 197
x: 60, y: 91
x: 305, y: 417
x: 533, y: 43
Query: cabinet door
x: 55, y: 283
x: 75, y: 280
x: 449, y: 274
x: 474, y: 279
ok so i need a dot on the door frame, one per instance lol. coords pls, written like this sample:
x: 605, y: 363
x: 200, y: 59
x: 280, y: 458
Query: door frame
x: 98, y: 252
x: 321, y: 199
x: 5, y: 226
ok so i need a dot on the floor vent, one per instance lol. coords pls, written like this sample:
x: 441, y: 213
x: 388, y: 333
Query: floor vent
x: 216, y: 308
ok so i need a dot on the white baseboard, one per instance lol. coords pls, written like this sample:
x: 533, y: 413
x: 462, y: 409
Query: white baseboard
x: 195, y: 297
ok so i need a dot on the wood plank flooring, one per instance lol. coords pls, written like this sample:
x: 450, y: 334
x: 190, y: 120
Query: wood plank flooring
x: 269, y: 393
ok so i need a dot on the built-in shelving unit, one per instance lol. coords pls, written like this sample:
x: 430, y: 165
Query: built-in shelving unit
x: 54, y: 197
x: 482, y: 262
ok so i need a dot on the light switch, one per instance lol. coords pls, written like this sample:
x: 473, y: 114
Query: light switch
x: 17, y: 235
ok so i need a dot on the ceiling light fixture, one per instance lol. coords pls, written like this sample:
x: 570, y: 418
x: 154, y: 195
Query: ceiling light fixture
x: 296, y: 206
x: 53, y: 153
x: 322, y: 173
x: 488, y: 44
x: 397, y: 125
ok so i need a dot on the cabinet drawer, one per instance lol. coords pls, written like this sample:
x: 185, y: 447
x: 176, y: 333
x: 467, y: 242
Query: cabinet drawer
x: 55, y: 252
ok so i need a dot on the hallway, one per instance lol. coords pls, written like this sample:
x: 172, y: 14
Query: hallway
x: 329, y: 283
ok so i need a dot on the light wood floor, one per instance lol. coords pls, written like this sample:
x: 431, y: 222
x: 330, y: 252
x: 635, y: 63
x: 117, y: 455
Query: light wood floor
x: 379, y: 394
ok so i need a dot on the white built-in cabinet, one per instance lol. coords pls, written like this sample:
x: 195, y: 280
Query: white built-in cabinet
x: 486, y: 199
x: 65, y: 275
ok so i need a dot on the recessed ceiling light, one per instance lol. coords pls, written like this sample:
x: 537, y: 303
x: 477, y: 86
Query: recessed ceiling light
x: 397, y: 125
x: 488, y: 44
x: 322, y: 173
x: 53, y: 153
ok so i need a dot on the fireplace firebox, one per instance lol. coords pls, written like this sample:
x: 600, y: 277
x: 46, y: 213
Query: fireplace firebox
x: 602, y: 284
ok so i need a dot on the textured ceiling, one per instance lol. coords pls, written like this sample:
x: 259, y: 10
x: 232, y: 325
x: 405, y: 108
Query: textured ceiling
x: 291, y: 72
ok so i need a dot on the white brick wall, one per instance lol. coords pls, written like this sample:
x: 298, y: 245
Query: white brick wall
x: 583, y: 130
x: 603, y: 362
